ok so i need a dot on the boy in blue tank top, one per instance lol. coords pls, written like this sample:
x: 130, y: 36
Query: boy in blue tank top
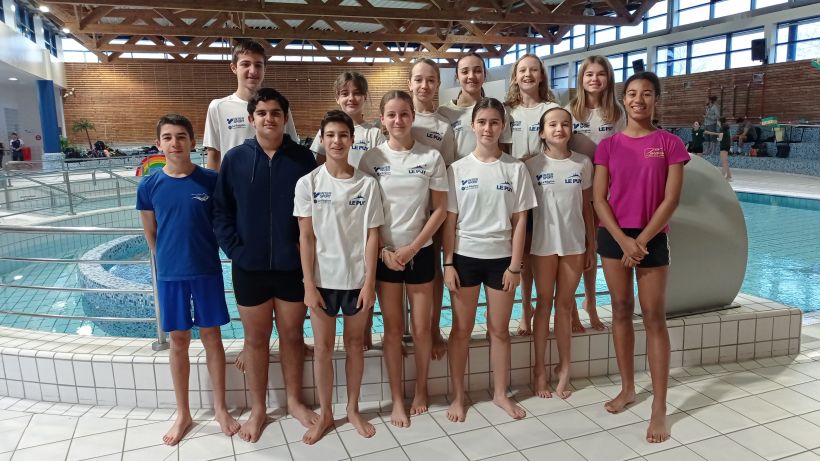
x: 176, y: 211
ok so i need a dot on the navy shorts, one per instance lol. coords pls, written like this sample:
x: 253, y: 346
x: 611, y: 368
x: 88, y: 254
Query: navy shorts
x: 475, y: 271
x: 206, y: 294
x: 336, y: 300
x: 658, y: 247
x: 252, y: 288
x: 421, y: 269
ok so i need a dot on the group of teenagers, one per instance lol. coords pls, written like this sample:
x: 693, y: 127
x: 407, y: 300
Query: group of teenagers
x: 474, y: 192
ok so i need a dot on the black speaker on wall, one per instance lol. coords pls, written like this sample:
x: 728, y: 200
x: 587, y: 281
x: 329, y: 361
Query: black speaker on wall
x: 638, y: 66
x: 759, y: 50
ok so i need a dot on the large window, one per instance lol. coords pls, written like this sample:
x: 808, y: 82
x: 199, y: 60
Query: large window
x: 51, y: 41
x: 559, y: 76
x: 73, y: 51
x: 25, y: 22
x: 671, y: 59
x: 798, y: 40
x: 740, y: 47
x: 692, y: 11
x: 2, y: 13
x: 574, y: 39
x: 652, y: 21
x: 622, y: 63
x: 720, y: 52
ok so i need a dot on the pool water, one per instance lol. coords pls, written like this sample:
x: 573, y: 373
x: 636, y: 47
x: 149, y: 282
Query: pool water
x: 783, y: 265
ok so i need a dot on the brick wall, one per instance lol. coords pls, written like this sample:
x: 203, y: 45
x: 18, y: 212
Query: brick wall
x: 124, y: 99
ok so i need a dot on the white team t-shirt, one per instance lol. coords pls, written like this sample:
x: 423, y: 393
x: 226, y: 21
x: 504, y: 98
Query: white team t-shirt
x: 227, y: 124
x: 342, y: 211
x: 405, y: 177
x: 522, y: 129
x: 485, y: 195
x: 595, y: 128
x: 558, y: 221
x: 365, y: 137
x: 434, y: 130
x: 460, y: 119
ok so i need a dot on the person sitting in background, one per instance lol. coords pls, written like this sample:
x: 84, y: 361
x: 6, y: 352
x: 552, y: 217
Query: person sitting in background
x: 746, y: 132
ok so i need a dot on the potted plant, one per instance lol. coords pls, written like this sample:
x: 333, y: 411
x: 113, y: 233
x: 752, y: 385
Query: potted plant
x: 84, y: 124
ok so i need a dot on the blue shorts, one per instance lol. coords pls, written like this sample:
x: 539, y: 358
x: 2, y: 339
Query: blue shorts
x: 207, y: 294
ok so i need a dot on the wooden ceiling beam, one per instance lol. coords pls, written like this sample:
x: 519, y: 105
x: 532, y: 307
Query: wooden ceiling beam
x: 402, y: 14
x: 95, y: 15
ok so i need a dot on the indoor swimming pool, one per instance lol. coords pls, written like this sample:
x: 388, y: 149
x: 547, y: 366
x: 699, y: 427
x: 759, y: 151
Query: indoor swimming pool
x: 783, y: 265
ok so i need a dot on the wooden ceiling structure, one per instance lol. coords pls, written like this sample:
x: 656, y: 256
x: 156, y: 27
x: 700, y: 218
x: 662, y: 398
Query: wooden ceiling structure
x: 401, y: 30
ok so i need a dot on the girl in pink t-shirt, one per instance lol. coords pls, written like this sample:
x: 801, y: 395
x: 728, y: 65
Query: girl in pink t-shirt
x: 637, y: 186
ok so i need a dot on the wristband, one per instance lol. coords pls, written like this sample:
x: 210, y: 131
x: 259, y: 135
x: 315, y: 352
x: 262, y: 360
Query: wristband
x: 448, y: 265
x: 513, y: 272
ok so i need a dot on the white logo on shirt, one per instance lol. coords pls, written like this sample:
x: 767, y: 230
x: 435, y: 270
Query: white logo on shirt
x: 545, y: 179
x: 321, y: 197
x: 382, y: 170
x: 201, y: 196
x: 573, y: 179
x: 358, y: 200
x: 418, y: 169
x: 469, y: 183
x: 504, y: 186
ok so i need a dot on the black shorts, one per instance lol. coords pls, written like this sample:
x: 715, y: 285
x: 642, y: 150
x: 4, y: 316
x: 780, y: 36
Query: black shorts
x: 421, y: 269
x: 658, y: 247
x: 696, y: 149
x: 252, y: 288
x: 340, y: 299
x: 475, y: 271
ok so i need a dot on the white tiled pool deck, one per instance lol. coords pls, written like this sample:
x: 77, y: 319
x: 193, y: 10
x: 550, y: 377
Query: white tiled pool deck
x: 767, y: 408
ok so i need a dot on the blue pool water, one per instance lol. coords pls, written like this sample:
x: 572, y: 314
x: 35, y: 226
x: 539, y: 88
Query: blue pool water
x: 783, y: 265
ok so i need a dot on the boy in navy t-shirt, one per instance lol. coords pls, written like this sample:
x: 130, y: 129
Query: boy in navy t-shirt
x: 176, y: 213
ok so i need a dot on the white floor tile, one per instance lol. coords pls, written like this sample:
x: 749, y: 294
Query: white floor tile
x: 96, y: 445
x: 687, y: 429
x: 44, y: 429
x: 569, y: 424
x: 722, y: 419
x: 10, y: 432
x: 751, y: 382
x: 537, y: 406
x: 272, y: 436
x: 157, y: 452
x: 677, y: 454
x: 357, y: 445
x: 791, y: 401
x: 90, y: 425
x: 207, y: 447
x: 634, y: 436
x: 482, y: 443
x: 515, y: 456
x: 49, y: 451
x: 527, y: 433
x: 436, y: 449
x: 766, y: 443
x: 719, y: 390
x: 473, y: 421
x: 722, y: 449
x: 586, y: 396
x: 330, y: 448
x: 757, y: 409
x: 602, y: 446
x: 146, y: 435
x: 422, y: 427
x: 783, y: 375
x: 811, y: 389
x: 596, y: 412
x: 805, y: 456
x: 393, y: 454
x: 280, y: 453
x: 558, y: 450
x: 492, y: 412
x: 798, y: 430
x: 685, y: 398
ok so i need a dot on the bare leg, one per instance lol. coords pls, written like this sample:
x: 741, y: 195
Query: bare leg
x: 652, y: 293
x: 724, y: 162
x: 499, y: 309
x: 619, y: 280
x: 354, y: 367
x: 465, y: 301
x: 290, y: 319
x: 545, y: 269
x: 324, y: 336
x: 569, y: 275
x: 392, y: 306
x: 257, y: 321
x: 367, y: 344
x: 525, y: 324
x: 180, y: 371
x: 589, y: 305
x: 215, y: 358
x: 439, y: 344
x: 420, y: 312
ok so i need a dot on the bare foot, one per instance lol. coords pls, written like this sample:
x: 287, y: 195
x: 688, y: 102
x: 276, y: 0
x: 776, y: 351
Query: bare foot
x: 507, y: 404
x: 592, y: 311
x: 178, y: 430
x: 303, y: 414
x: 524, y: 326
x: 252, y: 429
x: 439, y: 345
x: 657, y: 431
x: 363, y: 427
x: 621, y: 401
x: 419, y: 404
x: 227, y: 423
x: 456, y: 412
x: 540, y: 384
x: 318, y: 429
x: 576, y: 322
x: 562, y: 389
x: 240, y: 362
x: 399, y: 417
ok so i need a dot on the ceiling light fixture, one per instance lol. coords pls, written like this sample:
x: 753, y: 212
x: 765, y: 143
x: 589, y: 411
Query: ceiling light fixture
x: 44, y: 9
x: 588, y: 10
x: 13, y: 79
x: 65, y: 30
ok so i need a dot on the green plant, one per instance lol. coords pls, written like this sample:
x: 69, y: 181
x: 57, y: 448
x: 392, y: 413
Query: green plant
x: 64, y: 144
x: 84, y: 124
